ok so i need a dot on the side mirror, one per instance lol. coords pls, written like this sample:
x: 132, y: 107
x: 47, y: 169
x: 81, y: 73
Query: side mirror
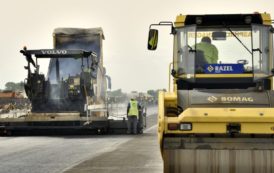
x: 219, y: 35
x: 152, y: 39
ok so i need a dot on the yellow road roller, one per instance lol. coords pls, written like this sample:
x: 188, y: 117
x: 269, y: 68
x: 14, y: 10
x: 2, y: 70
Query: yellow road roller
x: 219, y: 117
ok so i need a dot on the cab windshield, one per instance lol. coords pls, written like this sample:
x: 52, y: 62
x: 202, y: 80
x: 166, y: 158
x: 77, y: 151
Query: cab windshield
x: 226, y: 50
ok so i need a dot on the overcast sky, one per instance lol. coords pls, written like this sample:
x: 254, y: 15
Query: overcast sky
x: 125, y: 24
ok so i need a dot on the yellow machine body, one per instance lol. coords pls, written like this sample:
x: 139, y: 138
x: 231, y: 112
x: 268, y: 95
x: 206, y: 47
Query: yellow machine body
x: 210, y: 144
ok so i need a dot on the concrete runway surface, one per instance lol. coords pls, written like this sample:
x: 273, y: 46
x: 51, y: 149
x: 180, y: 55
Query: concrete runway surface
x: 107, y: 153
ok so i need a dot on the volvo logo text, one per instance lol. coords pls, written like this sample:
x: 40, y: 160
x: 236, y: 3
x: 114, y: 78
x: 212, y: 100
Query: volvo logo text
x: 54, y: 52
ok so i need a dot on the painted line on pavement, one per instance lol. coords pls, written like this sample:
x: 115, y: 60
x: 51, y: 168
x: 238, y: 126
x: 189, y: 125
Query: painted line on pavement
x: 151, y: 128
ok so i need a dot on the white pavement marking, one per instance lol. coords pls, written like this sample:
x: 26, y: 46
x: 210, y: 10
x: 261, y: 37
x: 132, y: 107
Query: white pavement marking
x: 102, y: 150
x: 151, y: 128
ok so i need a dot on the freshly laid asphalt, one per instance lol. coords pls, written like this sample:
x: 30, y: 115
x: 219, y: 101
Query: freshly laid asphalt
x: 140, y: 154
x: 73, y: 154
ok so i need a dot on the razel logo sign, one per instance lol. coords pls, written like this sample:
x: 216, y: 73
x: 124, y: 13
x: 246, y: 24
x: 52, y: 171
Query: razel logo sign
x: 212, y: 99
x: 210, y: 68
x: 224, y: 68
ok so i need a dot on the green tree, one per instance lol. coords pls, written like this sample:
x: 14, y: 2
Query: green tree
x: 12, y: 86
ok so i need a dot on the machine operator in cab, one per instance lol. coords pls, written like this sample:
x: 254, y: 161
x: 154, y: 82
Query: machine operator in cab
x: 209, y: 50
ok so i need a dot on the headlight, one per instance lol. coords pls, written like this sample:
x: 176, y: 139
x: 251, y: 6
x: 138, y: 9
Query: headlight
x: 185, y: 126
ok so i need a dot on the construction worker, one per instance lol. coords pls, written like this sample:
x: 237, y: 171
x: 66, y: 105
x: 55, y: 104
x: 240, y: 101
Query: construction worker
x: 132, y: 115
x: 210, y: 51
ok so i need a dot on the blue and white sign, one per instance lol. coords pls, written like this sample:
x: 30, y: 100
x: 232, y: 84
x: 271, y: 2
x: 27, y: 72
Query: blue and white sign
x: 224, y: 68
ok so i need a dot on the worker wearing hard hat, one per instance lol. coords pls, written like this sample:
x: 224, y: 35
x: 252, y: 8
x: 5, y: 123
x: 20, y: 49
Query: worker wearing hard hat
x: 132, y: 115
x: 209, y: 50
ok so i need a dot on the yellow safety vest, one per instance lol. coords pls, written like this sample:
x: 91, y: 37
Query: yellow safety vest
x: 210, y: 52
x: 133, y: 110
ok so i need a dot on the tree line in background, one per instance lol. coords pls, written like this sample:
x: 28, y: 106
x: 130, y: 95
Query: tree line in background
x: 13, y: 86
x: 119, y: 96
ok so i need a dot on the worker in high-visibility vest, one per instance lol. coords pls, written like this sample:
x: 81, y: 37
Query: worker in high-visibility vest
x: 209, y: 50
x: 132, y: 115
